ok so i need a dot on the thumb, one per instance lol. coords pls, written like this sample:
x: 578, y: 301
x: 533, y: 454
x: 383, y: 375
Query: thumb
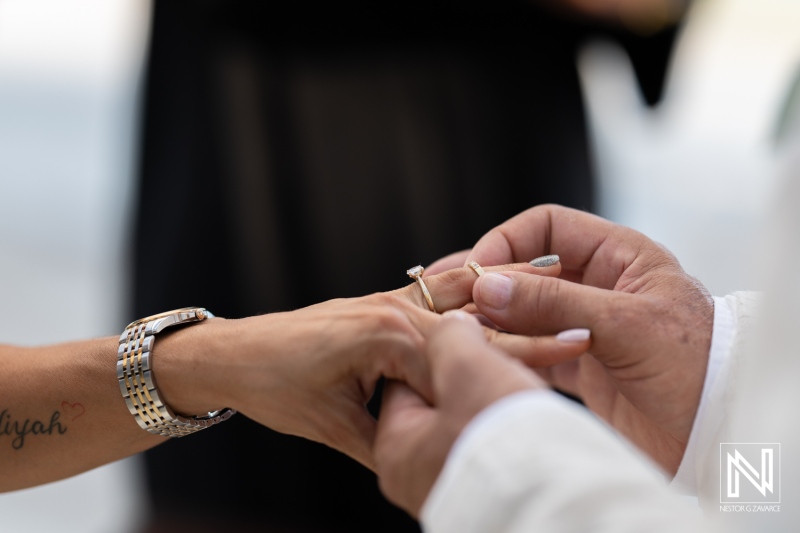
x: 535, y: 305
x: 468, y: 373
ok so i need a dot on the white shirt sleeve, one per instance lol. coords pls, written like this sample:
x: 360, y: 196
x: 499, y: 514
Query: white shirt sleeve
x: 535, y: 461
x: 685, y: 480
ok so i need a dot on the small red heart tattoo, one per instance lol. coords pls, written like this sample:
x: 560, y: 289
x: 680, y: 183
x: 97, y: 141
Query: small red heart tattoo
x: 73, y: 410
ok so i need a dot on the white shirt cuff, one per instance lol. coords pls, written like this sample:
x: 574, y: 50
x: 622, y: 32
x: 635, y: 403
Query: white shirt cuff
x: 685, y: 480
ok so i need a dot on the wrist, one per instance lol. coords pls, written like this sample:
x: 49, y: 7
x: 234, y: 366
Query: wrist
x: 188, y: 364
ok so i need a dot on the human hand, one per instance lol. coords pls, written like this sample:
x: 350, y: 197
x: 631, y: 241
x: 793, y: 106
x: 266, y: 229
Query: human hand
x: 650, y: 322
x: 414, y: 436
x: 310, y: 372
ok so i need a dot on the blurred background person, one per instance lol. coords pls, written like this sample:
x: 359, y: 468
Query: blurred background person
x: 433, y: 137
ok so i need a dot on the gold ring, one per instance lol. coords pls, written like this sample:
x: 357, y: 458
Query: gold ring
x: 416, y: 274
x: 477, y: 268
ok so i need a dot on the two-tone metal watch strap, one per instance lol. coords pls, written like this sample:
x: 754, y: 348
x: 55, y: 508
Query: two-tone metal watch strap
x: 137, y: 382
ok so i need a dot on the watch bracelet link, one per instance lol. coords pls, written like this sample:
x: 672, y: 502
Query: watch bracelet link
x: 138, y: 384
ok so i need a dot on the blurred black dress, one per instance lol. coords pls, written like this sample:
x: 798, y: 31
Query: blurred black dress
x: 292, y: 155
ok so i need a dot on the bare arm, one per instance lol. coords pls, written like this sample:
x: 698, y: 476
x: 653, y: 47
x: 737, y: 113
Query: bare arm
x: 58, y: 405
x: 308, y: 372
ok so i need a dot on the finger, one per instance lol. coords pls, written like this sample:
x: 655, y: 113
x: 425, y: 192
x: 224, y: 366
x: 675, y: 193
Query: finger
x: 452, y: 289
x: 454, y: 260
x: 472, y: 309
x: 353, y: 433
x: 593, y: 251
x: 485, y: 322
x: 398, y: 396
x: 403, y: 360
x: 462, y: 360
x: 563, y: 376
x: 535, y: 305
x: 457, y: 333
x: 542, y: 351
x: 405, y: 450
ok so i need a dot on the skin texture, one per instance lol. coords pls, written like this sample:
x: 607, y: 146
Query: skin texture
x: 643, y: 373
x: 651, y: 323
x: 414, y: 435
x: 307, y: 372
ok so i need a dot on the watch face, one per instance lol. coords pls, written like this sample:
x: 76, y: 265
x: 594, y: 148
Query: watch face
x: 150, y: 318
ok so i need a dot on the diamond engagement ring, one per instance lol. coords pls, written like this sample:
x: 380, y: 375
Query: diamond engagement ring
x: 477, y: 268
x: 416, y: 274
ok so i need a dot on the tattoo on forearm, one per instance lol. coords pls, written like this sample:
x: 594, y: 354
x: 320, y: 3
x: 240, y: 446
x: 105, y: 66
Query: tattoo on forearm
x: 19, y: 429
x: 72, y: 410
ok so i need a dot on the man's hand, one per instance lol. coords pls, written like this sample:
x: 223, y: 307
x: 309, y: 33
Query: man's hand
x: 651, y: 323
x: 415, y: 436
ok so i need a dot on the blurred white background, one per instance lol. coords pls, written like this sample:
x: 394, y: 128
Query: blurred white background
x: 69, y: 78
x: 696, y: 174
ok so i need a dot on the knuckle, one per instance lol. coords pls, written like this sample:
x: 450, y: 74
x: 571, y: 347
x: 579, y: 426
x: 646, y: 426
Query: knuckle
x: 541, y: 293
x: 389, y: 318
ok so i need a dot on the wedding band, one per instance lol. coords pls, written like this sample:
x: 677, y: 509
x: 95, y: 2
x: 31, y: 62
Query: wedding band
x: 477, y: 268
x: 416, y: 274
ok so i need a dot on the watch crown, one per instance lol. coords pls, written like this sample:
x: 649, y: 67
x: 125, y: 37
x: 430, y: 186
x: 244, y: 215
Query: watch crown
x: 200, y: 314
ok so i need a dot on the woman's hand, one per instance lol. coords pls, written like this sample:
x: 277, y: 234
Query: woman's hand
x: 310, y: 372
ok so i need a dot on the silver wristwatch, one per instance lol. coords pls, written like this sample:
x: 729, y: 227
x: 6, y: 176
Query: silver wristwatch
x: 138, y: 385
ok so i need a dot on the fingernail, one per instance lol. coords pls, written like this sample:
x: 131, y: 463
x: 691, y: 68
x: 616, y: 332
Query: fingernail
x: 495, y: 290
x: 456, y: 314
x: 574, y: 335
x: 545, y: 261
x: 460, y: 316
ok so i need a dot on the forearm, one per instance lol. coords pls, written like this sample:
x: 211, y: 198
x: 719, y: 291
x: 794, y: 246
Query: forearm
x: 61, y: 412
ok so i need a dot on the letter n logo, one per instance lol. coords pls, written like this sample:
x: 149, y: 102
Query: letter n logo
x: 750, y: 472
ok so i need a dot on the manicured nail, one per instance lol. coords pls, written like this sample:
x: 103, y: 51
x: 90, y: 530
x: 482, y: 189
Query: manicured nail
x: 545, y: 261
x: 574, y: 335
x: 495, y: 290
